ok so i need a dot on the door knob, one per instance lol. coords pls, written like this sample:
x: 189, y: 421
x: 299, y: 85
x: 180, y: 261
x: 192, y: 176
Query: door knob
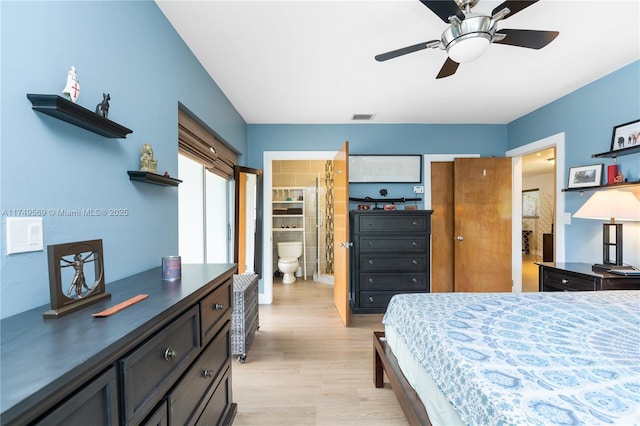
x: 460, y: 238
x: 346, y: 244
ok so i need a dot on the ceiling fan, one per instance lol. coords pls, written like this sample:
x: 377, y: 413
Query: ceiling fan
x: 470, y: 34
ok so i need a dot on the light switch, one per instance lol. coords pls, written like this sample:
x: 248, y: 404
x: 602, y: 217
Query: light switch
x: 24, y: 234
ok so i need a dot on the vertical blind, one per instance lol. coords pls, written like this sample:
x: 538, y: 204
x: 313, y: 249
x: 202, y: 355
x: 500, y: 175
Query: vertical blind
x: 199, y: 144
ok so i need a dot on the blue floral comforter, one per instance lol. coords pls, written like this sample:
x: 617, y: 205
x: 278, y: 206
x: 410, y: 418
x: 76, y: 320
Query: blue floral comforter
x: 528, y: 358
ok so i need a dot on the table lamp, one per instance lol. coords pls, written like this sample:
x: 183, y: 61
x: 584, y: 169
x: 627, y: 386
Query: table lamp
x: 611, y: 205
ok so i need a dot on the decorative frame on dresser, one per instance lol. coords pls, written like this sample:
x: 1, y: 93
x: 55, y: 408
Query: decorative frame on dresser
x: 165, y: 360
x: 391, y: 254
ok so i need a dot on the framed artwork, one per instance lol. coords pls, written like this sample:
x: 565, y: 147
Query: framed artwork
x: 625, y: 135
x: 585, y: 176
x: 385, y: 168
x: 531, y: 203
x: 76, y: 276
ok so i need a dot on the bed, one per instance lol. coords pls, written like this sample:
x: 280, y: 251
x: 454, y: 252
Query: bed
x: 513, y: 358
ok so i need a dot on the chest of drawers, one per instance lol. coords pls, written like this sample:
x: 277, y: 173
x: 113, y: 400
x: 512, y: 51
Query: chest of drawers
x: 390, y: 255
x: 581, y: 277
x: 165, y: 360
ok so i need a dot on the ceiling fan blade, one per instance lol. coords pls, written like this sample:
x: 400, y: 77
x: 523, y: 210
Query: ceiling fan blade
x: 449, y: 68
x: 409, y: 49
x: 531, y: 39
x: 444, y: 9
x: 514, y: 6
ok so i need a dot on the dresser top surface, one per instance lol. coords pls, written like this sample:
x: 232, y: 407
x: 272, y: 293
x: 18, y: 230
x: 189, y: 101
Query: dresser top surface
x: 41, y: 355
x: 581, y: 268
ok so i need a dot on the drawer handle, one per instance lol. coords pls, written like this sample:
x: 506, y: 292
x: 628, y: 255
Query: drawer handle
x: 170, y: 354
x: 370, y: 298
x: 218, y: 307
x: 414, y: 280
x: 564, y: 281
x: 415, y: 262
x: 207, y: 373
x: 413, y: 243
x: 370, y: 262
x: 370, y: 244
x: 370, y: 280
x: 414, y: 223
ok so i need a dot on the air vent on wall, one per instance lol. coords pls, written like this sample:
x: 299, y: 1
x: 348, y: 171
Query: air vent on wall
x: 362, y: 117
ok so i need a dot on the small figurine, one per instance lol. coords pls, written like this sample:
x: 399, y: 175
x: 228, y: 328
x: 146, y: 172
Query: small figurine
x: 147, y: 163
x: 619, y: 178
x: 102, y: 108
x: 78, y: 283
x: 72, y: 89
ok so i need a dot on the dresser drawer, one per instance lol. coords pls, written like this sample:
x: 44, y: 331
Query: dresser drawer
x: 392, y: 223
x: 376, y: 299
x: 568, y: 281
x: 219, y: 404
x: 95, y: 404
x: 389, y: 281
x: 154, y: 366
x: 409, y: 243
x: 214, y: 308
x: 195, y: 388
x: 386, y: 263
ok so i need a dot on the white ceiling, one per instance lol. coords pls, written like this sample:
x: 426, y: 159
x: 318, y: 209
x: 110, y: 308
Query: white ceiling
x: 313, y: 61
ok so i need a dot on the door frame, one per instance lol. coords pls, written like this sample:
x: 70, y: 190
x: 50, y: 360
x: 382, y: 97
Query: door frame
x: 561, y: 218
x: 266, y: 296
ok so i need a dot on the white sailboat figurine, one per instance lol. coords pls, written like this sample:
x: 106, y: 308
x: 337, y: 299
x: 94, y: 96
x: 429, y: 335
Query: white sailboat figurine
x: 72, y: 89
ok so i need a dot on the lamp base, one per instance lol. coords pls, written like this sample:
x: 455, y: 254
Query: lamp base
x: 606, y: 267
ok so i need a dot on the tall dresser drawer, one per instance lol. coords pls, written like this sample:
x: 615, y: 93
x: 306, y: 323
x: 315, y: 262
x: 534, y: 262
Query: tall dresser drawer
x: 409, y: 243
x: 215, y: 307
x: 393, y: 281
x: 404, y: 263
x: 376, y: 299
x: 218, y: 407
x: 568, y: 281
x: 153, y: 367
x: 404, y: 223
x: 188, y: 397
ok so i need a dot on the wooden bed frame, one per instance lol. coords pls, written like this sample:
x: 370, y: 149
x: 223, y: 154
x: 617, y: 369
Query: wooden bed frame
x: 384, y: 361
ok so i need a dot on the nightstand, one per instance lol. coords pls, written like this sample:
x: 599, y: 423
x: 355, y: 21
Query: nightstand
x: 580, y: 277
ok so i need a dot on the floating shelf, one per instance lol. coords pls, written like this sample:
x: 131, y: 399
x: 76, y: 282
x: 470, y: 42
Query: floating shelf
x: 597, y: 188
x: 618, y: 153
x: 153, y: 178
x: 63, y: 109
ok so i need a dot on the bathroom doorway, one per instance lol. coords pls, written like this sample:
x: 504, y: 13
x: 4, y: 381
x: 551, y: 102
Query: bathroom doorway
x: 298, y: 171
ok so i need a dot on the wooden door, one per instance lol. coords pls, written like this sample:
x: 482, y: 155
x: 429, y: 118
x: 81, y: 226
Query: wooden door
x: 482, y: 224
x: 248, y: 211
x: 341, y: 232
x: 442, y: 252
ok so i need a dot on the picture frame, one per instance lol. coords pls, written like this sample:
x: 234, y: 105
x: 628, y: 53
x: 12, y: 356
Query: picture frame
x: 385, y: 168
x: 531, y: 203
x: 625, y: 135
x: 585, y: 176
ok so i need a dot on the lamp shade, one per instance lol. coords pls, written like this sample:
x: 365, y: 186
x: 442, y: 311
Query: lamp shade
x: 611, y: 204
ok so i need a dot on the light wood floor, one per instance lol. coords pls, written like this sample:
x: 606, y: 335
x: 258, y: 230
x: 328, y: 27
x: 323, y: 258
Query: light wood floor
x: 305, y: 368
x: 529, y: 273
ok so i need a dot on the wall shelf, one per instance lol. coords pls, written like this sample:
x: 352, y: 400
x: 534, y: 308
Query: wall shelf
x: 599, y: 187
x: 618, y: 153
x: 65, y: 110
x: 153, y: 178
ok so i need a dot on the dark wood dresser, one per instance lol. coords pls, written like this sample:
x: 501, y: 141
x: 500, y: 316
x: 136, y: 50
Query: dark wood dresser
x: 163, y: 361
x: 581, y: 277
x: 390, y: 255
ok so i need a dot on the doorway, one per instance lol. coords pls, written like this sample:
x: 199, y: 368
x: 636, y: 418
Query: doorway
x: 271, y: 159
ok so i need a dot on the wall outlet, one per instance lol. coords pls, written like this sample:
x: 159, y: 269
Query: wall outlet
x: 418, y: 189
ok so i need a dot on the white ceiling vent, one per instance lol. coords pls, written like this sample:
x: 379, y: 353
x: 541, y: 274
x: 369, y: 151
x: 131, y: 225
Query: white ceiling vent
x: 362, y: 117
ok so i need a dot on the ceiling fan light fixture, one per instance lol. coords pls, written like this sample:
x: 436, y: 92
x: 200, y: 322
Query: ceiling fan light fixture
x: 469, y: 47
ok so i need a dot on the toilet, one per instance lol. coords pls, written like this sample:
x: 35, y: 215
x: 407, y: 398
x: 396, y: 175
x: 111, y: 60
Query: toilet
x: 288, y: 254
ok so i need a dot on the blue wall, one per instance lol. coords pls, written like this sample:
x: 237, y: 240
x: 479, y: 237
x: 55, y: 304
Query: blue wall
x: 587, y: 116
x: 484, y: 139
x: 126, y: 48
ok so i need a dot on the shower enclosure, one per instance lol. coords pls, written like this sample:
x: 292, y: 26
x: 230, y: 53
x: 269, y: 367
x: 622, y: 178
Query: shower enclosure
x: 324, y: 226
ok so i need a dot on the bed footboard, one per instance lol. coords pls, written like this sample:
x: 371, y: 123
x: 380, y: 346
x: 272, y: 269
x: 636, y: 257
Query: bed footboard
x: 384, y: 361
